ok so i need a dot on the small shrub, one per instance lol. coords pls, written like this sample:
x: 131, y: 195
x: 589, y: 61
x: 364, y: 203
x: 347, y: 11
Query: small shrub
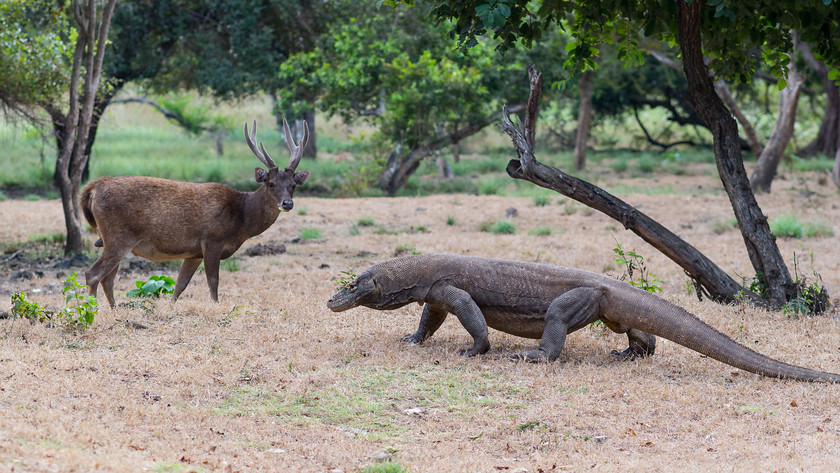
x: 490, y: 186
x: 619, y: 165
x: 302, y: 211
x: 230, y: 265
x: 48, y: 238
x: 385, y: 467
x: 635, y: 263
x: 78, y: 312
x: 354, y: 229
x: 365, y: 222
x: 309, y: 233
x: 722, y: 226
x: 569, y: 209
x: 405, y: 248
x: 540, y: 231
x: 646, y: 164
x: 816, y: 230
x: 2, y: 196
x: 347, y: 277
x: 32, y: 197
x: 156, y: 286
x: 450, y: 220
x: 541, y: 200
x: 503, y: 227
x: 786, y: 226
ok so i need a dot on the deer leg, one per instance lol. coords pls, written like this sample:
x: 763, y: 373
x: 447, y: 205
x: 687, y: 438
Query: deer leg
x: 108, y: 285
x: 188, y: 268
x: 212, y: 259
x: 108, y: 262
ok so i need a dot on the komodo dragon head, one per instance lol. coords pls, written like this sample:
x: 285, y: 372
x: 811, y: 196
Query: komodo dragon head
x: 385, y: 286
x: 364, y: 290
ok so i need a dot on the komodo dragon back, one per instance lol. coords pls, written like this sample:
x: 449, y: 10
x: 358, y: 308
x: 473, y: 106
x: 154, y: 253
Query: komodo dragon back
x: 547, y: 302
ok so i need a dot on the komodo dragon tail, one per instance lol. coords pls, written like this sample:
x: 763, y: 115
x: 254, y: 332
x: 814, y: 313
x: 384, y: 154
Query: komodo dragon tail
x: 659, y: 317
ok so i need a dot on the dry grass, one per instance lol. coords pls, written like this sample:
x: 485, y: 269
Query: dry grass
x: 270, y: 380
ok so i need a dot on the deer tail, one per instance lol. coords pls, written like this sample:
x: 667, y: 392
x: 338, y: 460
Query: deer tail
x: 86, y: 199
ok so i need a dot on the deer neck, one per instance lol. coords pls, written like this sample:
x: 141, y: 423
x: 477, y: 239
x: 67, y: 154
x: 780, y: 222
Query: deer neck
x: 261, y: 210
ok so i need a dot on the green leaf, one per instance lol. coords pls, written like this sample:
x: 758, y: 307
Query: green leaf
x: 782, y: 83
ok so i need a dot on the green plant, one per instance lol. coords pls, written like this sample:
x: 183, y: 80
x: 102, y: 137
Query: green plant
x: 723, y: 226
x: 756, y: 284
x: 302, y: 211
x: 32, y: 197
x: 154, y: 287
x: 809, y: 296
x: 646, y: 164
x: 635, y: 264
x: 541, y: 200
x: 503, y: 227
x: 450, y: 220
x: 405, y: 248
x: 348, y: 276
x: 231, y: 265
x: 619, y: 165
x: 786, y: 225
x: 365, y: 221
x: 309, y: 233
x: 78, y: 312
x: 490, y: 186
x: 25, y: 309
x: 81, y: 312
x: 540, y: 231
x: 384, y: 467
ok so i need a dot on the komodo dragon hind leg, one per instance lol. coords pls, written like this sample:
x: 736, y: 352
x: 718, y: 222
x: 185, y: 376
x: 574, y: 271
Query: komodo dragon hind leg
x: 642, y: 344
x: 572, y: 310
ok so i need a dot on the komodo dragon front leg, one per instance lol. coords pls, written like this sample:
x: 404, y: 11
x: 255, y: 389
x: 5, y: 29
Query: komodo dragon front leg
x: 443, y: 299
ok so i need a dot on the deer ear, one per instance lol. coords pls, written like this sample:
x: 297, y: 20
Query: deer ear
x: 260, y: 175
x: 301, y: 177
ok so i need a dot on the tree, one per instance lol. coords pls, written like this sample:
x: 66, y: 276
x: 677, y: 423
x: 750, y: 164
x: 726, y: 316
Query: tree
x: 87, y: 57
x: 730, y: 33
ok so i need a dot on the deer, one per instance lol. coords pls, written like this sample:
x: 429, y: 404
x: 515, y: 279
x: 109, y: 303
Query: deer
x: 165, y: 220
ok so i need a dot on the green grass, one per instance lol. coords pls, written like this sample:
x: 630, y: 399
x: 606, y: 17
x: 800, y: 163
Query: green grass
x: 365, y: 222
x: 309, y: 233
x: 720, y: 227
x: 540, y: 231
x: 385, y: 467
x: 491, y: 185
x: 503, y: 227
x: 541, y: 200
x: 371, y: 399
x: 450, y: 220
x: 789, y: 226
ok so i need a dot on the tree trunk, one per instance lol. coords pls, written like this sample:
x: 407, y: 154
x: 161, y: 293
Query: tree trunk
x: 835, y: 171
x: 768, y: 161
x: 760, y: 242
x: 71, y: 160
x: 827, y: 141
x: 311, y: 150
x: 712, y: 281
x: 399, y: 166
x: 752, y: 138
x: 585, y: 85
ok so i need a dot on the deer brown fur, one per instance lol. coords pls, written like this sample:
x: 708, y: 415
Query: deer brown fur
x: 164, y: 220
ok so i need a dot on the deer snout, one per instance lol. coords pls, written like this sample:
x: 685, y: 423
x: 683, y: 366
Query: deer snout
x: 287, y: 205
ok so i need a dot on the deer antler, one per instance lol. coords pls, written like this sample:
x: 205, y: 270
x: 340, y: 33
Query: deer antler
x: 296, y: 151
x: 262, y: 156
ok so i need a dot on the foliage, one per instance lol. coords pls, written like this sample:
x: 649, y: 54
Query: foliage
x: 809, y: 295
x: 348, y: 276
x: 789, y: 226
x: 503, y: 227
x: 309, y: 233
x: 541, y: 200
x: 540, y: 231
x: 156, y: 286
x: 83, y: 308
x: 78, y: 312
x: 406, y: 248
x: 385, y: 467
x: 635, y: 265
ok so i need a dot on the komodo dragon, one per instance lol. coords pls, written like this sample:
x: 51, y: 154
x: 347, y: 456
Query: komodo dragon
x: 547, y: 302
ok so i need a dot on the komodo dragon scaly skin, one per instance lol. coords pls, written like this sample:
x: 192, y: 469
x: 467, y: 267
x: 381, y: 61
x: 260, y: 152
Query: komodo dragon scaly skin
x: 547, y: 302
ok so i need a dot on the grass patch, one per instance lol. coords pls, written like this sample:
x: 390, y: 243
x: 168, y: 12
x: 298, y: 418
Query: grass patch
x: 540, y: 231
x: 231, y: 265
x: 491, y: 186
x: 722, y: 226
x: 503, y: 227
x: 302, y: 211
x: 309, y: 233
x: 405, y: 249
x: 450, y: 220
x: 365, y: 222
x: 369, y: 400
x: 385, y: 467
x: 48, y: 238
x: 541, y: 200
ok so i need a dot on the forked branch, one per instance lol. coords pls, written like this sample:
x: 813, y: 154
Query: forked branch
x: 719, y: 285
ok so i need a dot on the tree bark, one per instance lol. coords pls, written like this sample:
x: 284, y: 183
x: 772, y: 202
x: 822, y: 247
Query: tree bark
x: 835, y: 171
x: 752, y: 138
x: 827, y: 141
x: 71, y: 160
x: 760, y: 242
x: 768, y: 161
x: 713, y: 281
x: 585, y: 85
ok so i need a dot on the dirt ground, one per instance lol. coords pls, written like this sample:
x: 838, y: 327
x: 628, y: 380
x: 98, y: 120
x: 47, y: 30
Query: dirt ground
x: 268, y: 379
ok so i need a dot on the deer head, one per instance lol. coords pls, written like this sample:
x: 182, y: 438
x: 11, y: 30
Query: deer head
x: 280, y: 184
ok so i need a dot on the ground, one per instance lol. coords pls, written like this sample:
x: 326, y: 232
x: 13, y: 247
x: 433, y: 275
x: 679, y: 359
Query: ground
x: 269, y: 379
